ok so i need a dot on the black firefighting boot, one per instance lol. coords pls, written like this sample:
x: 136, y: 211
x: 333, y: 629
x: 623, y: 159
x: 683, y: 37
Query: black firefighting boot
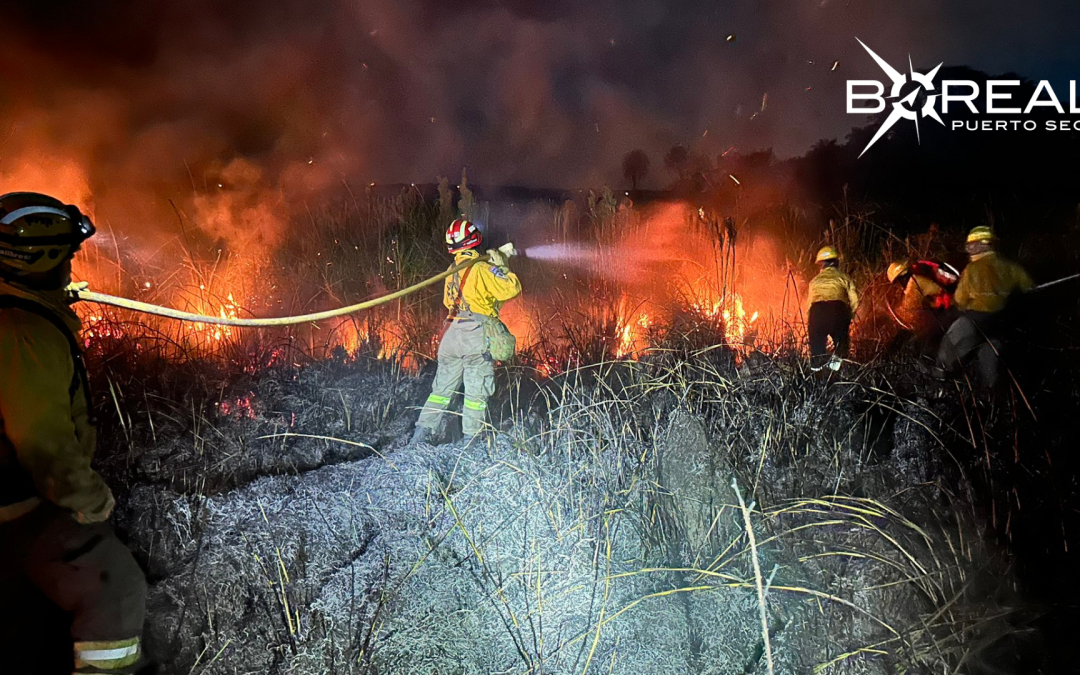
x: 420, y: 435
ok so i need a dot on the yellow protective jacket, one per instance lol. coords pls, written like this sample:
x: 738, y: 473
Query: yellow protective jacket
x: 47, y: 439
x: 919, y: 293
x: 832, y: 284
x: 487, y: 286
x: 988, y: 281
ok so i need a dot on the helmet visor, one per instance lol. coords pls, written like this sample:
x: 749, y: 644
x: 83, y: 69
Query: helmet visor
x: 84, y: 228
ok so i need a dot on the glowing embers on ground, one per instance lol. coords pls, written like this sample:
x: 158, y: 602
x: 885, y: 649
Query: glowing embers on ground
x: 240, y: 407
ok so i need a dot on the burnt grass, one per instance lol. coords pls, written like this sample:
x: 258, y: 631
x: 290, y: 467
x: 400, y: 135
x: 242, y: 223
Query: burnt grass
x: 904, y: 525
x: 947, y: 459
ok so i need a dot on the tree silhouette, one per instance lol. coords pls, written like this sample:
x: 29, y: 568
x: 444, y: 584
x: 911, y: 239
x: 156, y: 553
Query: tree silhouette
x: 467, y: 206
x: 446, y: 203
x: 677, y: 159
x: 635, y: 167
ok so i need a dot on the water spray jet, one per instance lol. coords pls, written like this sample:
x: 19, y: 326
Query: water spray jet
x: 573, y: 254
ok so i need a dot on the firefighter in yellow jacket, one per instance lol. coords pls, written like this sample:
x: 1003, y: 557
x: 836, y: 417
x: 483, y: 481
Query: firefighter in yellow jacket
x: 925, y: 308
x: 471, y: 296
x: 53, y: 506
x: 986, y: 286
x: 832, y: 301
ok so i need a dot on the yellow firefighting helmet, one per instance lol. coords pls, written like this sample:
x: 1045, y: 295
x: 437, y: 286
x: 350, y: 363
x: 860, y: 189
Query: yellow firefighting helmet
x: 38, y: 232
x: 981, y: 235
x: 827, y: 253
x: 896, y: 269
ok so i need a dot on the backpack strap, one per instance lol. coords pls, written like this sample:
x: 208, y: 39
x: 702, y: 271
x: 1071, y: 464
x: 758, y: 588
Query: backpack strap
x: 80, y: 376
x: 460, y: 297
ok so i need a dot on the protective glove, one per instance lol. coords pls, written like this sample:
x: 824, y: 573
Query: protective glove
x: 497, y: 258
x: 100, y: 514
x: 74, y: 288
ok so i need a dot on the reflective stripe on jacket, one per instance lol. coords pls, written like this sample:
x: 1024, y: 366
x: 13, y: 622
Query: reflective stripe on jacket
x: 988, y: 281
x: 830, y: 285
x: 487, y: 286
x: 47, y: 439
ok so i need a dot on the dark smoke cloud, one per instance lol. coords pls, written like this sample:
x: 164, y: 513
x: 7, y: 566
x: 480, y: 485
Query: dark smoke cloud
x: 159, y: 100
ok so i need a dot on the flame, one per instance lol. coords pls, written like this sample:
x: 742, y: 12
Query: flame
x: 208, y: 335
x: 652, y: 273
x: 393, y: 342
x: 632, y: 332
x: 218, y: 332
x: 384, y: 337
x: 730, y: 314
x: 656, y: 268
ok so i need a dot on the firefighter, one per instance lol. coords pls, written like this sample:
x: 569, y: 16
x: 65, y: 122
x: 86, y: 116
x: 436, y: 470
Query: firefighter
x: 54, y: 507
x: 472, y: 296
x: 833, y: 301
x: 986, y: 286
x: 925, y: 308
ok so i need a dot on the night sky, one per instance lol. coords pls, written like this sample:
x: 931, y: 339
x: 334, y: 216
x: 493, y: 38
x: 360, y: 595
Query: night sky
x: 312, y: 92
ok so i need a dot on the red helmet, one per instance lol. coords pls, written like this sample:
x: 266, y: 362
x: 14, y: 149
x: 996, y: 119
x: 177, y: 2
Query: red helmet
x: 462, y: 235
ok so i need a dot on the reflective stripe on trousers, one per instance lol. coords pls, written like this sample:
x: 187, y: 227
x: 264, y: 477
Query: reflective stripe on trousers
x: 105, y: 655
x: 85, y: 571
x: 463, y: 360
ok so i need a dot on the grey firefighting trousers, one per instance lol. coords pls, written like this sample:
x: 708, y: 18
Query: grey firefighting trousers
x: 86, y: 572
x: 463, y: 359
x: 974, y: 336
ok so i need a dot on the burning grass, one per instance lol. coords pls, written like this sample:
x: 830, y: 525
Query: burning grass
x: 646, y: 268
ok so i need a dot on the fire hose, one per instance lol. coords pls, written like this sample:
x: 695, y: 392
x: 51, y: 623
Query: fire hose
x: 84, y: 295
x: 1062, y: 280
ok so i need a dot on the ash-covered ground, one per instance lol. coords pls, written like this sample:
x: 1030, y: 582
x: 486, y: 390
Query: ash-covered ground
x: 287, y: 527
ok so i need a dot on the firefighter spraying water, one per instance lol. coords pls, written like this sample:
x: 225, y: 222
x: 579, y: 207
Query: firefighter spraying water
x: 473, y: 337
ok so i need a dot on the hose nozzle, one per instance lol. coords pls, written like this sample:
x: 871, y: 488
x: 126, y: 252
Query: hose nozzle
x: 508, y: 250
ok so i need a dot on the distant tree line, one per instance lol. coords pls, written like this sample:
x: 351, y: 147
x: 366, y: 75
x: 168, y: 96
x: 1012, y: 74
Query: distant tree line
x: 950, y: 176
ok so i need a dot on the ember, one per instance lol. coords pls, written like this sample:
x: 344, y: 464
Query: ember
x: 241, y: 407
